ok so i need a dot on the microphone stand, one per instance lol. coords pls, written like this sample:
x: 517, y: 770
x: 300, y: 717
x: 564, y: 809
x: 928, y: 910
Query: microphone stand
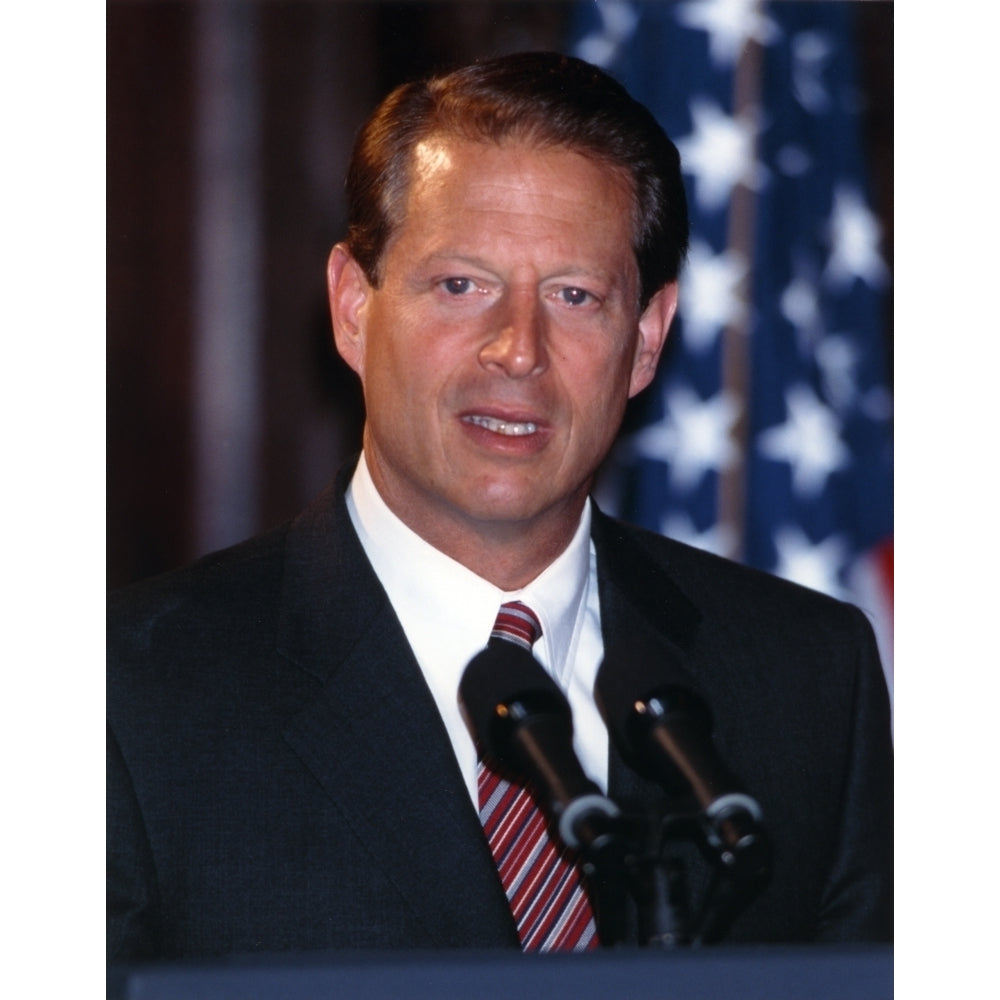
x: 634, y: 886
x: 637, y: 881
x: 608, y: 866
x: 740, y: 850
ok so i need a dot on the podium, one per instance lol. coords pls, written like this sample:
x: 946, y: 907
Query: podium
x: 745, y: 973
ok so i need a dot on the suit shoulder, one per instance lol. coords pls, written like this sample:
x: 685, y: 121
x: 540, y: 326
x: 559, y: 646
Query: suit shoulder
x: 233, y: 585
x: 733, y: 589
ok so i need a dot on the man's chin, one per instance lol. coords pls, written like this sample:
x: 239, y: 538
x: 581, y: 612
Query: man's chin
x: 518, y: 511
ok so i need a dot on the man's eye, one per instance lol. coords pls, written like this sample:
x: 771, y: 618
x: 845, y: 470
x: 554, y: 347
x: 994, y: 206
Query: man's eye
x: 575, y: 296
x: 458, y: 286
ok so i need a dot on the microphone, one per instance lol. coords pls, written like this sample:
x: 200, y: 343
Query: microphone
x: 663, y: 731
x: 522, y: 719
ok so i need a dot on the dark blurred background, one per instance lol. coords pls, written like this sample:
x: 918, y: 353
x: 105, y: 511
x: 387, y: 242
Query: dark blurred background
x: 228, y: 131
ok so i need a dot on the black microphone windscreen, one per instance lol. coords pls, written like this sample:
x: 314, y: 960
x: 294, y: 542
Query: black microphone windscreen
x: 502, y: 673
x: 623, y: 678
x: 625, y: 687
x: 620, y: 682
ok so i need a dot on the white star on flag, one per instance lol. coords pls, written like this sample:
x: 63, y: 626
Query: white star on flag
x: 793, y: 161
x: 837, y: 357
x: 815, y: 566
x: 618, y: 23
x: 711, y: 298
x: 811, y: 51
x: 692, y: 437
x: 718, y: 538
x: 801, y: 307
x: 730, y: 25
x: 854, y: 238
x: 718, y: 153
x: 809, y: 441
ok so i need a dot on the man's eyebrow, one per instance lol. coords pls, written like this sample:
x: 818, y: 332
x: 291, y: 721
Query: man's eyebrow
x: 457, y: 257
x: 569, y: 270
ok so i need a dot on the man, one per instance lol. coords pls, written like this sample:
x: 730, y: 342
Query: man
x: 290, y: 767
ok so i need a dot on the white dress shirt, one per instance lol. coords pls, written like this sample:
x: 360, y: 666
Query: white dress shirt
x: 447, y: 613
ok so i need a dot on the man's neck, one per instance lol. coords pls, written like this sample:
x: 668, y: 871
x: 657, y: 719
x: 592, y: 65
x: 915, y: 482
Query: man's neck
x: 508, y: 555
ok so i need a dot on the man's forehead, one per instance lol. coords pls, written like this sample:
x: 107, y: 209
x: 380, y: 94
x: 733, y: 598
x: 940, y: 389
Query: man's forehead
x: 436, y: 158
x: 432, y: 155
x: 437, y: 152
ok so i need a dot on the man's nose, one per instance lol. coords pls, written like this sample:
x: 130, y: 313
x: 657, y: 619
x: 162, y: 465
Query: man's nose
x: 517, y: 346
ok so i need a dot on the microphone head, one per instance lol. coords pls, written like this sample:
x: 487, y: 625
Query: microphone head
x: 501, y: 688
x: 635, y: 696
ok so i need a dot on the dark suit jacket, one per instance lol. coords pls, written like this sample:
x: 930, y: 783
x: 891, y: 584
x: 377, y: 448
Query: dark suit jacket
x: 279, y: 778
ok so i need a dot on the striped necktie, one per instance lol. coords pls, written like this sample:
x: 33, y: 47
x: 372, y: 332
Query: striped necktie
x: 539, y: 873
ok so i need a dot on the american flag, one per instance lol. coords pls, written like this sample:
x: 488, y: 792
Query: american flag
x: 767, y: 436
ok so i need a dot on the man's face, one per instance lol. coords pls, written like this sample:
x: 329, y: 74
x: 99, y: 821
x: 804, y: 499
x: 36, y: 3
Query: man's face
x: 499, y: 351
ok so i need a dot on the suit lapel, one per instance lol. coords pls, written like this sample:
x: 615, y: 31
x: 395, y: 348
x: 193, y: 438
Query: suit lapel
x: 637, y: 592
x: 645, y: 617
x: 374, y: 740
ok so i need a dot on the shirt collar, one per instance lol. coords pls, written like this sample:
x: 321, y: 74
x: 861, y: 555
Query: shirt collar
x: 435, y: 596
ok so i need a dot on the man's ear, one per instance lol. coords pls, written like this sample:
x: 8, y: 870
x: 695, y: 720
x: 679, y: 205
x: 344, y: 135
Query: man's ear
x: 654, y: 325
x: 349, y: 292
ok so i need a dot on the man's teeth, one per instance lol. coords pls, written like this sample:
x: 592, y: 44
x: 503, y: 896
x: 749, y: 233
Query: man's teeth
x: 503, y: 426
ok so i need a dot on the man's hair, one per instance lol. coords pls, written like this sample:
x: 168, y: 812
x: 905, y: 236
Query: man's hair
x: 539, y: 98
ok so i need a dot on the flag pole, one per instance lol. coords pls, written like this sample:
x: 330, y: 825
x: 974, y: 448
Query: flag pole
x: 736, y: 363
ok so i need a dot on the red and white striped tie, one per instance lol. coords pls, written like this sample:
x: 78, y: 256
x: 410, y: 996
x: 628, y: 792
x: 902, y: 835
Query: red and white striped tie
x: 539, y: 873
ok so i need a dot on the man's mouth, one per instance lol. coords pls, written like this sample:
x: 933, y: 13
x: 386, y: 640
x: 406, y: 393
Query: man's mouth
x: 510, y: 428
